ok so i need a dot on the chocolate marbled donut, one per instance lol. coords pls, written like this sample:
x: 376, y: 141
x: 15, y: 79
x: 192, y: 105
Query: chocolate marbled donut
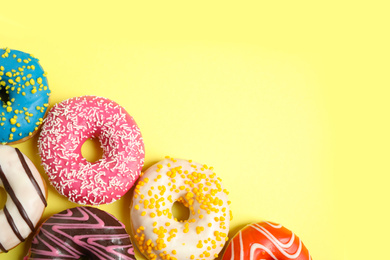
x: 81, y: 232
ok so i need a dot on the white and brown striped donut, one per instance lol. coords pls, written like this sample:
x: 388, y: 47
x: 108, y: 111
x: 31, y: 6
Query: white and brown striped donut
x: 26, y: 197
x: 266, y: 241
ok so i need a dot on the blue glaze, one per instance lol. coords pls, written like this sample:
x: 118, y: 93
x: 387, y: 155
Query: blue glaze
x: 23, y: 82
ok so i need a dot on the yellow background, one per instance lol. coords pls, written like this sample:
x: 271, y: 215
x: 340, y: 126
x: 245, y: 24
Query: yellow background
x: 287, y: 100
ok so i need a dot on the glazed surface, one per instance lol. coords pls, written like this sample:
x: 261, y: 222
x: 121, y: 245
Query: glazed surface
x: 67, y: 126
x: 26, y: 197
x: 158, y: 234
x: 266, y: 241
x: 82, y: 232
x: 24, y: 95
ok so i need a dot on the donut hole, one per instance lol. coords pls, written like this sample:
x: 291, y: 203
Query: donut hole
x: 4, y: 96
x: 180, y: 212
x: 3, y: 197
x: 91, y: 150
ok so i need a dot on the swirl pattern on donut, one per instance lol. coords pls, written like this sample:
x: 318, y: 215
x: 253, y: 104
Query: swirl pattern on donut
x: 82, y: 232
x: 67, y: 126
x: 26, y: 197
x: 24, y: 96
x: 266, y: 241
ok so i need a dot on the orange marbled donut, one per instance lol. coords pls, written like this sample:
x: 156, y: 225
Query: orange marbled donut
x: 266, y: 241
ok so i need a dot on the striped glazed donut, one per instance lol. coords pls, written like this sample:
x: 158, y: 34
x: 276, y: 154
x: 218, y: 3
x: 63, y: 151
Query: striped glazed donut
x: 82, y: 233
x: 26, y: 197
x: 266, y: 241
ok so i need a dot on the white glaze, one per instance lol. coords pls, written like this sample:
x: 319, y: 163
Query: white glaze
x: 184, y: 244
x: 25, y: 193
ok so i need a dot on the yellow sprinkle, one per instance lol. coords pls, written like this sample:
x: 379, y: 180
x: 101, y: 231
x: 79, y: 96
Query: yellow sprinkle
x: 13, y: 121
x: 9, y: 109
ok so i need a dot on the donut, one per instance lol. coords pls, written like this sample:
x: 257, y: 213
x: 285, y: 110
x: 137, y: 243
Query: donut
x: 81, y: 233
x: 67, y: 126
x: 24, y: 96
x: 266, y: 241
x: 155, y: 229
x: 26, y: 197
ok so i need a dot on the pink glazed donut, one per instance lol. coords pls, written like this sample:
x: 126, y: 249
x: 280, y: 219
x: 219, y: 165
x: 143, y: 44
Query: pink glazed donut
x: 67, y: 126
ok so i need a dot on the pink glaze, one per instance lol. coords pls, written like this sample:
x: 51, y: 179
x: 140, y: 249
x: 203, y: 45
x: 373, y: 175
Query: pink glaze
x: 67, y: 126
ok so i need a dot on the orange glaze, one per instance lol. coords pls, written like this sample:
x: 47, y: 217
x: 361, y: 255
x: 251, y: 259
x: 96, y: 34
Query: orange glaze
x: 266, y: 241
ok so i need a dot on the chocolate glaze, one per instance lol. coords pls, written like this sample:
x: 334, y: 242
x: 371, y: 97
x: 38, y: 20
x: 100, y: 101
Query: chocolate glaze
x: 82, y: 232
x: 3, y: 249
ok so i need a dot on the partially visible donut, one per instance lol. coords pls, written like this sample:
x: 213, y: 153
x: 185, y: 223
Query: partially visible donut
x: 158, y: 234
x: 67, y: 126
x: 266, y: 241
x: 24, y: 96
x: 82, y: 232
x: 26, y: 197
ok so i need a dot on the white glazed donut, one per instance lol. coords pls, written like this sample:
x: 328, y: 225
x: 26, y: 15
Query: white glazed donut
x: 26, y: 197
x: 158, y: 234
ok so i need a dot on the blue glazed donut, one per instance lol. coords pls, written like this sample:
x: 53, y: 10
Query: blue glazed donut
x: 24, y: 96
